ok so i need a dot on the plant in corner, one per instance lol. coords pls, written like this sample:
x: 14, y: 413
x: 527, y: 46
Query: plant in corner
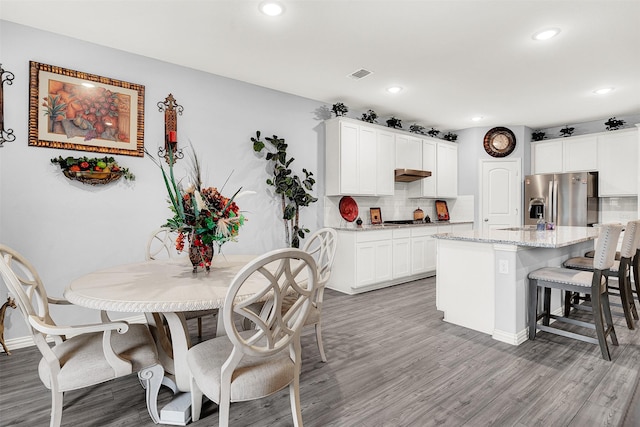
x: 293, y: 191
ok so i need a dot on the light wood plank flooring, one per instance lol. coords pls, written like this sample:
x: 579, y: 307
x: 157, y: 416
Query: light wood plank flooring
x: 392, y: 362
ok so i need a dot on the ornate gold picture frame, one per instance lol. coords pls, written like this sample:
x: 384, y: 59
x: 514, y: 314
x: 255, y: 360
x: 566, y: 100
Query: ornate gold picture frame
x: 80, y: 111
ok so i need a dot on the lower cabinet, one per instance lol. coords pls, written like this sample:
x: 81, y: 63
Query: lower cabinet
x: 373, y: 259
x: 423, y: 250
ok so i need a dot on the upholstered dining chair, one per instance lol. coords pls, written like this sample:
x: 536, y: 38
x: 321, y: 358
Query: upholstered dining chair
x: 621, y: 270
x: 251, y: 364
x: 592, y: 283
x: 94, y: 353
x: 161, y: 245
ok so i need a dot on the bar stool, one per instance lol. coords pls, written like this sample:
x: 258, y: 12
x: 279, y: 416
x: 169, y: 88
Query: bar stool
x: 593, y: 283
x: 621, y: 270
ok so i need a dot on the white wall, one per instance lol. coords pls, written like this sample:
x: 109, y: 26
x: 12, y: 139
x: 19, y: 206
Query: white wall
x: 67, y: 229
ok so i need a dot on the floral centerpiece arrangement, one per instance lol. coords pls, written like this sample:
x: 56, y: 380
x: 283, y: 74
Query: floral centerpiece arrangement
x: 202, y: 215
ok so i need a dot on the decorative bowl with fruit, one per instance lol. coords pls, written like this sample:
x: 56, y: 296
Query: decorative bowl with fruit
x: 92, y: 170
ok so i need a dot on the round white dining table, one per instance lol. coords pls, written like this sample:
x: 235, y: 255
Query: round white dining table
x: 169, y: 287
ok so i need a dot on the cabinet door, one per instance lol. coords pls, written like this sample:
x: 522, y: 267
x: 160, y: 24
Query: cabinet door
x: 580, y: 154
x: 618, y: 164
x: 408, y: 152
x: 365, y: 264
x: 429, y: 163
x: 383, y: 267
x: 547, y: 157
x: 349, y: 175
x: 447, y: 167
x: 386, y: 158
x: 367, y: 161
x: 418, y: 254
x: 401, y: 257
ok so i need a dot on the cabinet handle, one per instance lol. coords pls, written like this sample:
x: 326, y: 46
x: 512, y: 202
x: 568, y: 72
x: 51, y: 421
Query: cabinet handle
x: 486, y: 220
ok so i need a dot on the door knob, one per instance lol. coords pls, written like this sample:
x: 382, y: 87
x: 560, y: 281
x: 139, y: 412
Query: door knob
x: 486, y: 220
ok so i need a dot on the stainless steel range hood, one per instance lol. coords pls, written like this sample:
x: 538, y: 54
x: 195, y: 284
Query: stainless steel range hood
x: 410, y: 175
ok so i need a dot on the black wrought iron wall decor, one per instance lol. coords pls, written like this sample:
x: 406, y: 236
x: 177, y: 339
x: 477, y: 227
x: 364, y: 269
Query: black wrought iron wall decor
x: 171, y: 109
x: 6, y: 135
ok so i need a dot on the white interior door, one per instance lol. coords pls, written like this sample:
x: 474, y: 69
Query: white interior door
x: 501, y: 193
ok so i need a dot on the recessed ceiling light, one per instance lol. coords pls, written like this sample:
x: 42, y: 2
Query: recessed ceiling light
x: 394, y: 89
x: 546, y: 34
x: 603, y: 90
x: 271, y: 8
x: 477, y: 118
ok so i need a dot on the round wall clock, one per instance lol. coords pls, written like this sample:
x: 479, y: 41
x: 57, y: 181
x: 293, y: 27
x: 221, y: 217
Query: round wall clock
x: 499, y: 142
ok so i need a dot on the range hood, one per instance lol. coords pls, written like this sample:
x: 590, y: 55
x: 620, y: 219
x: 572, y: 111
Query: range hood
x: 410, y: 175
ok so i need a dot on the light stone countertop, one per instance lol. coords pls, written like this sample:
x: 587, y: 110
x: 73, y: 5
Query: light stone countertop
x: 370, y: 227
x: 526, y: 236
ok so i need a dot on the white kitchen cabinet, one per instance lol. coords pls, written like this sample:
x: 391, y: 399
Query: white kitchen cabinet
x: 401, y: 265
x: 447, y: 168
x: 373, y: 258
x: 408, y: 152
x: 618, y: 163
x: 441, y: 159
x: 580, y: 153
x: 547, y: 157
x: 386, y: 158
x: 423, y: 249
x: 359, y: 160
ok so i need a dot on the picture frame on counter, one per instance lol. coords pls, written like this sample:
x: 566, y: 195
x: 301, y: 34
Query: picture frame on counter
x: 376, y: 216
x: 75, y: 110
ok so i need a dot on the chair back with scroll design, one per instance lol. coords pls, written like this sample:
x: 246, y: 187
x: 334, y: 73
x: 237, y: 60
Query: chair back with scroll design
x: 250, y: 364
x: 161, y: 244
x: 95, y: 353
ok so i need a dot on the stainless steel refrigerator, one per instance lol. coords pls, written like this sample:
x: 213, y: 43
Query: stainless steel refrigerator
x: 564, y: 199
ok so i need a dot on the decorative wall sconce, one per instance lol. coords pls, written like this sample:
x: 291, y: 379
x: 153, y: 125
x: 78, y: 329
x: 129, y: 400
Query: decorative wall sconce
x: 171, y: 110
x: 6, y: 135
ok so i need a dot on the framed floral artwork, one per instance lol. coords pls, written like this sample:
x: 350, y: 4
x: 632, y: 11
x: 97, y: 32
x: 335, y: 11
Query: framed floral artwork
x: 81, y: 111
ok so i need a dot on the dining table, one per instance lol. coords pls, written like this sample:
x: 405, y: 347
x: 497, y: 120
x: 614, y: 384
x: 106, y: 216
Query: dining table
x: 165, y: 289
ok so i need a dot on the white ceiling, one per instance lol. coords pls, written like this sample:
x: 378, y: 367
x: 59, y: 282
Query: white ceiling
x: 454, y: 59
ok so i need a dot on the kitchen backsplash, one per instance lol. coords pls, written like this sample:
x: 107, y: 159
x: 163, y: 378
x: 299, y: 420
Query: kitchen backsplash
x: 618, y: 209
x: 396, y: 207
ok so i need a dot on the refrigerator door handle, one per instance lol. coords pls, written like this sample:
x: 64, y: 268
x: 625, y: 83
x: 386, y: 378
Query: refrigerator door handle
x: 554, y: 219
x: 549, y: 213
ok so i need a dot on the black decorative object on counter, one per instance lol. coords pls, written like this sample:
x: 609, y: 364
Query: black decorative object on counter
x: 614, y: 124
x: 339, y: 109
x: 450, y: 137
x: 537, y: 135
x: 566, y: 131
x: 433, y: 132
x: 394, y: 123
x: 370, y: 117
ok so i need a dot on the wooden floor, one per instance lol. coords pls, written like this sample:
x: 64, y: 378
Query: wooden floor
x: 392, y: 362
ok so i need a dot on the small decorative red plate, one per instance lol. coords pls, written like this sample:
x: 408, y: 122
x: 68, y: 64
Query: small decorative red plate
x: 348, y: 208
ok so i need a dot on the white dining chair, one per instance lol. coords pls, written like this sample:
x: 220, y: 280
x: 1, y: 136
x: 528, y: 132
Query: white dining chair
x: 161, y: 245
x: 83, y: 355
x: 251, y: 364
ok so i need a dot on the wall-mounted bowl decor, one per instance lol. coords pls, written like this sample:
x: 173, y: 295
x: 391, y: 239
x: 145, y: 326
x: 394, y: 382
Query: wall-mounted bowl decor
x: 93, y: 171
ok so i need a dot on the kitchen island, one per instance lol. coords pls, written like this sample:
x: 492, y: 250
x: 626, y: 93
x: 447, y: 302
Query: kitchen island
x: 482, y: 276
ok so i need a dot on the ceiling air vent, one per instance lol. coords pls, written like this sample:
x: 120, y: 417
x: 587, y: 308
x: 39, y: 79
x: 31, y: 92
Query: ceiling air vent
x: 359, y: 74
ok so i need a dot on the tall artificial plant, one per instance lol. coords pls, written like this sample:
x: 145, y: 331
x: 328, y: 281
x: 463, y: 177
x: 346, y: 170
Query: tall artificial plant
x: 293, y: 191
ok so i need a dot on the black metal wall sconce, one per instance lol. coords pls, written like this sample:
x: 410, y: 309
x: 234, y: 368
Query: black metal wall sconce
x: 171, y: 109
x: 6, y: 135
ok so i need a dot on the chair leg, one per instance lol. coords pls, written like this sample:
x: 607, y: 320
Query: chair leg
x: 56, y: 408
x: 533, y: 308
x: 626, y: 297
x: 151, y: 379
x: 599, y: 325
x: 547, y: 307
x: 294, y: 396
x: 196, y: 400
x: 323, y: 356
x: 606, y: 310
x: 568, y: 296
x: 200, y: 327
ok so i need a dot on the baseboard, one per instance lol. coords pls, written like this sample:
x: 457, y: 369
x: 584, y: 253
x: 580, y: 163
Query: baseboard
x: 509, y: 338
x: 27, y: 341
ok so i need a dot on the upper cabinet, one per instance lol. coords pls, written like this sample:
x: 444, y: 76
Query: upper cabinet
x: 441, y: 159
x: 613, y: 154
x: 618, y: 163
x: 408, y: 152
x: 360, y: 159
x: 572, y: 154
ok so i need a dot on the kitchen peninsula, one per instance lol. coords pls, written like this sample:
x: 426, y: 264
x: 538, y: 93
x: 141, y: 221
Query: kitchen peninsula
x: 482, y: 275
